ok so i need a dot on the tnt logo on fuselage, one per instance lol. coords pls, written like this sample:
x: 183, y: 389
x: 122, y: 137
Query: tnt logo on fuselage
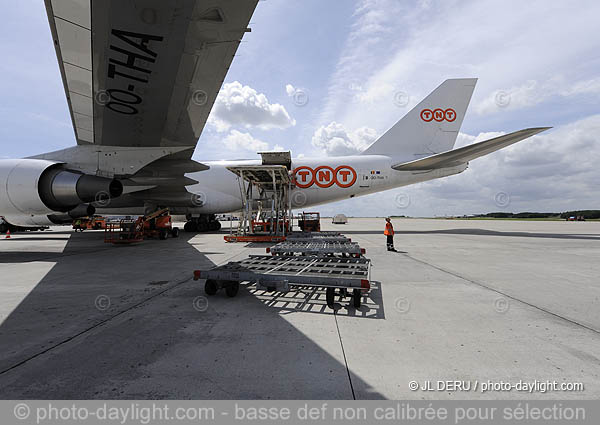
x: 438, y: 115
x: 324, y: 176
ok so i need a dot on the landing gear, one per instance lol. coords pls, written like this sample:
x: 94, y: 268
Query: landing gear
x: 202, y: 223
x: 190, y: 226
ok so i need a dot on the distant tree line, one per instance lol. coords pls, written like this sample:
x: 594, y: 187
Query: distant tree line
x: 587, y: 214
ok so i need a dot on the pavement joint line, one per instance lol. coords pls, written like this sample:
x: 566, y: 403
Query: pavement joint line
x: 58, y: 255
x: 96, y: 325
x: 344, y: 354
x: 573, y: 322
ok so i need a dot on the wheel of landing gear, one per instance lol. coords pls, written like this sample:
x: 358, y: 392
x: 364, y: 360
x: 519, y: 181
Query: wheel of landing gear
x: 175, y: 232
x: 214, y: 225
x: 330, y: 297
x: 232, y: 289
x: 356, y: 298
x: 190, y: 226
x: 211, y: 287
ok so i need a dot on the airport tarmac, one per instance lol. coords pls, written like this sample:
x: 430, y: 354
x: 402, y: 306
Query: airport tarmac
x: 485, y: 301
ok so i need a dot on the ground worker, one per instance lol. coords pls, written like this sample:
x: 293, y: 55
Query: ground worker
x: 389, y: 233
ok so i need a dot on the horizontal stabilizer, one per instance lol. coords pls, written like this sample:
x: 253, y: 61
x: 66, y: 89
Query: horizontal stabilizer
x: 467, y: 153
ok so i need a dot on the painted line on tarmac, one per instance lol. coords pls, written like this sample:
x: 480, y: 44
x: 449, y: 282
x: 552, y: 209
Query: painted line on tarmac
x: 90, y: 328
x: 344, y: 354
x: 108, y: 319
x: 455, y: 274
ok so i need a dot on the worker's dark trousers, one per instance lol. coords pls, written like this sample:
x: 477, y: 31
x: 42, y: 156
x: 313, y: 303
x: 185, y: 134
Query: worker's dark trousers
x: 390, y: 242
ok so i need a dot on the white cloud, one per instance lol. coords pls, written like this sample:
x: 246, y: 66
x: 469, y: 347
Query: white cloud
x: 532, y: 93
x: 583, y: 87
x: 523, y: 96
x: 239, y: 105
x: 537, y: 64
x: 238, y: 141
x: 553, y: 171
x: 290, y: 90
x: 335, y: 140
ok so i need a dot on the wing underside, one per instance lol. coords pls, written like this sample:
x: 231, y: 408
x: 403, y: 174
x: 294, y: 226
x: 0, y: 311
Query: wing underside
x: 144, y: 73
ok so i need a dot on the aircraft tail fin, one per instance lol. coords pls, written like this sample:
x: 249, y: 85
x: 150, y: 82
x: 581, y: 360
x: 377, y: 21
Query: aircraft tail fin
x: 430, y: 127
x: 465, y: 154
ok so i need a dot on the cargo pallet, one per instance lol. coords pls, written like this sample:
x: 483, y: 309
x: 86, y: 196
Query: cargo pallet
x: 281, y: 272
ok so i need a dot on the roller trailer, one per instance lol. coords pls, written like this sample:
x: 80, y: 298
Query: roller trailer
x: 282, y: 273
x: 316, y: 247
x: 318, y: 236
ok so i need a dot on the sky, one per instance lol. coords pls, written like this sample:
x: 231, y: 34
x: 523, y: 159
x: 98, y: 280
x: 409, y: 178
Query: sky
x: 328, y: 77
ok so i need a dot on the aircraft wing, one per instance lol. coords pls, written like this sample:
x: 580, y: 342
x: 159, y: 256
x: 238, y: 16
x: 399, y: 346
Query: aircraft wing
x: 144, y: 73
x: 467, y: 153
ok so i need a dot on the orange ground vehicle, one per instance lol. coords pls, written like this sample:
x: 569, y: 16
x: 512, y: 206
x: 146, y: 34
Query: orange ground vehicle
x: 310, y: 222
x: 159, y: 225
x: 89, y: 223
x: 156, y: 225
x: 265, y: 226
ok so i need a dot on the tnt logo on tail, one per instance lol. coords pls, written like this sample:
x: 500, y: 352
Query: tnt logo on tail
x: 438, y: 114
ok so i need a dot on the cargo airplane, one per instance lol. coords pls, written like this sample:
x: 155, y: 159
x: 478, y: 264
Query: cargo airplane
x: 140, y: 78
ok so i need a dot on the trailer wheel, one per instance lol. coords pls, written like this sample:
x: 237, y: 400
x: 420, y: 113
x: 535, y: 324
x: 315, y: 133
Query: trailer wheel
x: 232, y: 288
x: 330, y: 297
x: 175, y: 232
x: 162, y: 234
x: 356, y: 298
x: 211, y: 287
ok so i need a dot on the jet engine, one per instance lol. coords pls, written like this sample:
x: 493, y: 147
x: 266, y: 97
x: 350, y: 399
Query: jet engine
x: 31, y: 187
x: 81, y: 210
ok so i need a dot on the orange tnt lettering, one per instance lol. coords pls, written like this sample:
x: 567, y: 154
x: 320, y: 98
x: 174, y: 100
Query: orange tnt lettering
x: 344, y: 174
x: 324, y: 176
x: 303, y: 175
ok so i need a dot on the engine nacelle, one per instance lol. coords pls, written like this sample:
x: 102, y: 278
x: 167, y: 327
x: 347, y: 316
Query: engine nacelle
x: 82, y: 210
x: 30, y: 187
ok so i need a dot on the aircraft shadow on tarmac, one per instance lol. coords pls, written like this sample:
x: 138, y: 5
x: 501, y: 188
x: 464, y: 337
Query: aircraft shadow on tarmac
x: 108, y: 322
x: 481, y: 232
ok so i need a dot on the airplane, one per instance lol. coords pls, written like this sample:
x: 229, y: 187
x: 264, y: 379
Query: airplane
x: 140, y: 78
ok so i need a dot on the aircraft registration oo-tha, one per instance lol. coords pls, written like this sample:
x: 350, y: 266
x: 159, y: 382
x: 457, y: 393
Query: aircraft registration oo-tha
x: 141, y: 76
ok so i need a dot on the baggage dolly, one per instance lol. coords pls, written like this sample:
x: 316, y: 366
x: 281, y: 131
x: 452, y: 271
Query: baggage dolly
x: 280, y: 273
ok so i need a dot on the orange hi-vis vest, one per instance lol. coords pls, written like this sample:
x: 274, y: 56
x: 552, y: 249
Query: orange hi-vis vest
x: 389, y: 229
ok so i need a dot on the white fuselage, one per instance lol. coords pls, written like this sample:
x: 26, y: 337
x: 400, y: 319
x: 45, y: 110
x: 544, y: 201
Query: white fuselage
x: 317, y: 181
